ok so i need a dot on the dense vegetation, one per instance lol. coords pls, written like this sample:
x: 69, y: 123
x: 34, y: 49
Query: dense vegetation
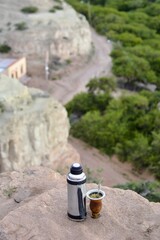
x: 4, y: 48
x: 148, y: 190
x: 130, y: 125
x: 134, y: 26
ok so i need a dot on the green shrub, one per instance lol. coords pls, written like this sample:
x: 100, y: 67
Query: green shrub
x: 149, y: 190
x: 52, y: 10
x: 68, y: 61
x: 21, y: 26
x: 4, y: 48
x: 9, y: 191
x: 2, y: 108
x: 58, y: 1
x: 29, y: 9
x: 57, y: 7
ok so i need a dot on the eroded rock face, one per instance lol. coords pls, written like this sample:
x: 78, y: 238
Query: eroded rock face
x: 64, y: 33
x: 34, y: 127
x: 37, y: 209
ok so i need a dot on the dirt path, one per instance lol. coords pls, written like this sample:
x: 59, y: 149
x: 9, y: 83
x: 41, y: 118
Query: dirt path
x: 65, y: 88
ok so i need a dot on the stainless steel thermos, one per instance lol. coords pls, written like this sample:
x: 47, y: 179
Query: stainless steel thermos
x: 76, y: 180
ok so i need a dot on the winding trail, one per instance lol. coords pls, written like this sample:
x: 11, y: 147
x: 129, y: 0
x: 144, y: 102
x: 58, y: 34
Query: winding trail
x: 100, y: 65
x: 65, y: 88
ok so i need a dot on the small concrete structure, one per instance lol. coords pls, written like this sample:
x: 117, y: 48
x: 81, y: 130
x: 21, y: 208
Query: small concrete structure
x: 13, y: 68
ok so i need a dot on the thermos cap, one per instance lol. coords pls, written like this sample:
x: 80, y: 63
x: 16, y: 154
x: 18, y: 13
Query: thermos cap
x: 76, y: 175
x: 76, y: 169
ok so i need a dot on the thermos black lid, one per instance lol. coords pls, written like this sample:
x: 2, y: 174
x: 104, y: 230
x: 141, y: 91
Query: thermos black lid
x: 76, y: 169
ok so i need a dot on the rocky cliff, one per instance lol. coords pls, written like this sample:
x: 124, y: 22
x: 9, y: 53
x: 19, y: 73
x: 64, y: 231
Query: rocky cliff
x: 34, y: 128
x: 33, y: 205
x: 64, y: 33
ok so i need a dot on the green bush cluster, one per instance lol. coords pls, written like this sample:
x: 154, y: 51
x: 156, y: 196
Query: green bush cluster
x: 29, y: 9
x: 55, y: 8
x: 128, y: 126
x: 21, y: 26
x: 4, y: 48
x: 135, y: 25
x: 148, y: 190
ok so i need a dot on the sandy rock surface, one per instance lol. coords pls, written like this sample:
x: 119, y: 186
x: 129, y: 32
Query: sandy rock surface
x: 34, y: 128
x: 37, y: 209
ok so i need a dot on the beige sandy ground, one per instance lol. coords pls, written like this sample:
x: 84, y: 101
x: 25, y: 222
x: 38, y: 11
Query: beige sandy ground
x: 73, y: 81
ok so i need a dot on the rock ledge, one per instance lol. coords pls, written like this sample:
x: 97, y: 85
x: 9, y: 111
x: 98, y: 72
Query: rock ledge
x: 34, y: 128
x: 37, y: 210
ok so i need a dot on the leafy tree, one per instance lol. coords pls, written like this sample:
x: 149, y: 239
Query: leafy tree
x: 154, y: 154
x: 128, y: 39
x: 133, y: 69
x: 154, y: 43
x: 127, y: 5
x: 98, y: 2
x: 118, y: 51
x: 153, y: 9
x: 81, y: 104
x: 154, y: 23
x: 114, y: 18
x: 138, y: 17
x: 103, y: 84
x: 134, y: 150
x: 89, y: 125
x: 138, y: 30
x: 144, y: 51
x: 153, y: 98
x: 147, y: 52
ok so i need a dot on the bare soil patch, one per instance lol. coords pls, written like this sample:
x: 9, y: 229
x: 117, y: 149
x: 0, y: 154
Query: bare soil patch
x: 108, y: 170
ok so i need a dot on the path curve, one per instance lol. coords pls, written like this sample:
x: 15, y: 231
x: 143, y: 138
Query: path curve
x: 65, y: 88
x: 100, y: 65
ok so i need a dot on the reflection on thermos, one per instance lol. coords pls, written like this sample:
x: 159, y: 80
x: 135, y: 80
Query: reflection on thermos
x: 76, y: 180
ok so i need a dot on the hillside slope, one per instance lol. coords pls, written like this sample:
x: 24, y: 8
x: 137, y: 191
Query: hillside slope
x: 64, y: 34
